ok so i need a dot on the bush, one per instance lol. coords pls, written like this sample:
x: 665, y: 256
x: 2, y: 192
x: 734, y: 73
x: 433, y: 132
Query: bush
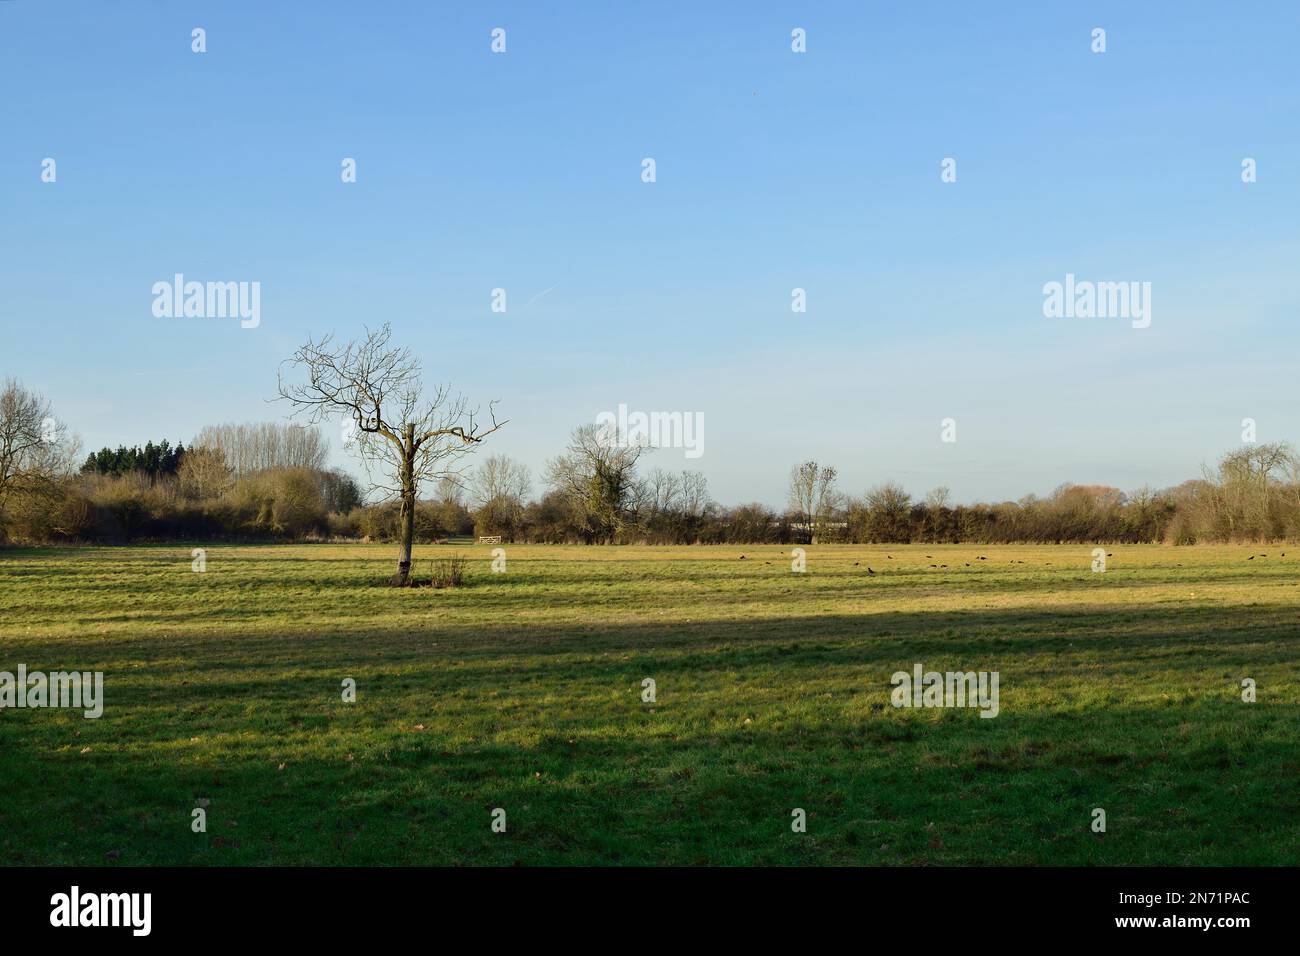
x: 297, y: 508
x: 449, y: 572
x: 346, y: 525
x: 501, y: 515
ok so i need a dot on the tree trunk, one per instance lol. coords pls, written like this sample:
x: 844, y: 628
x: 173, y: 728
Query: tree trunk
x: 408, y: 509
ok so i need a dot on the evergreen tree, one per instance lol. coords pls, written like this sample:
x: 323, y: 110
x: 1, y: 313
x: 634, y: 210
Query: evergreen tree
x: 152, y: 460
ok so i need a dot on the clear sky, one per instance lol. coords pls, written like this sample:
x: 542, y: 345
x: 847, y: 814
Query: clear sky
x: 775, y: 170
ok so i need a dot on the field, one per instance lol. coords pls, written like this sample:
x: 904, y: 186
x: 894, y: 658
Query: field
x: 523, y: 691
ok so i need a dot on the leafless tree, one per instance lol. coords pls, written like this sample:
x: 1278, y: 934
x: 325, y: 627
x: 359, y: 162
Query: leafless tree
x: 498, y: 490
x: 450, y: 488
x: 937, y: 499
x: 1243, y: 499
x: 936, y: 504
x: 35, y: 448
x: 812, y: 496
x: 695, y: 494
x: 402, y: 437
x: 261, y: 446
x: 204, y: 473
x: 597, y: 478
x: 498, y: 479
x: 672, y: 504
x: 662, y: 493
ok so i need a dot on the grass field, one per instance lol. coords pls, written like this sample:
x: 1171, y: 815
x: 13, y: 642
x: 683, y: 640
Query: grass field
x: 1119, y: 690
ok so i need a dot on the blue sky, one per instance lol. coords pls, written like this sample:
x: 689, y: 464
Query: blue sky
x: 775, y: 170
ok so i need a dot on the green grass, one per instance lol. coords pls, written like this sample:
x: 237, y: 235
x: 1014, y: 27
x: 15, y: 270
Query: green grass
x: 523, y: 691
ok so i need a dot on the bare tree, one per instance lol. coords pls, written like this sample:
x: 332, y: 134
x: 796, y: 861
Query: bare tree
x: 812, y: 496
x: 936, y: 504
x: 260, y: 446
x: 662, y: 493
x: 450, y: 488
x: 35, y: 449
x: 597, y: 478
x: 498, y: 490
x: 695, y: 494
x: 204, y: 473
x: 500, y: 478
x: 672, y: 504
x: 403, y: 438
x: 1244, y: 496
x: 937, y: 498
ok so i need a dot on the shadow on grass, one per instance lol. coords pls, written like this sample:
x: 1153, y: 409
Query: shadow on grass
x: 1134, y: 711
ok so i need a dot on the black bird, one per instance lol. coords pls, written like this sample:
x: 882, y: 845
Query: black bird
x: 869, y: 571
x: 742, y: 557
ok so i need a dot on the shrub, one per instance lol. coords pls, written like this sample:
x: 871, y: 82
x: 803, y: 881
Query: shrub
x: 449, y: 572
x: 346, y: 525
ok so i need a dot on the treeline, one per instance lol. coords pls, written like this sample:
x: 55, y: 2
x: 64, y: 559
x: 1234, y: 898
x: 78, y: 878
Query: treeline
x: 885, y: 516
x: 152, y: 460
x: 270, y: 482
x: 265, y: 481
x: 278, y: 504
x: 160, y: 493
x: 594, y: 493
